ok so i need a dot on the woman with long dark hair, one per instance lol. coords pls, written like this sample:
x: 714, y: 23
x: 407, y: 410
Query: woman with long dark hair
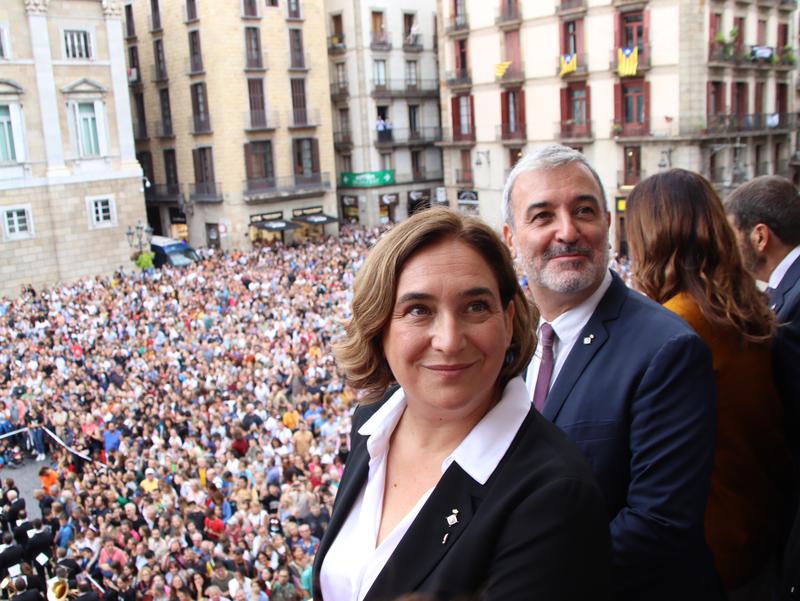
x: 685, y: 256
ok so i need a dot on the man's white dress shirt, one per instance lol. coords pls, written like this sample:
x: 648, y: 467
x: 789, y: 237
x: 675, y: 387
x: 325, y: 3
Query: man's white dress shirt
x: 567, y: 326
x: 777, y: 274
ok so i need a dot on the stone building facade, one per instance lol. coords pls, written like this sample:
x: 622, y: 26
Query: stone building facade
x: 385, y: 96
x: 638, y: 85
x: 70, y: 185
x: 232, y: 118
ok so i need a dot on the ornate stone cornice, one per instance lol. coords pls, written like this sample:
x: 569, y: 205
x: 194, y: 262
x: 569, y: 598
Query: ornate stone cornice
x: 112, y: 8
x: 38, y: 7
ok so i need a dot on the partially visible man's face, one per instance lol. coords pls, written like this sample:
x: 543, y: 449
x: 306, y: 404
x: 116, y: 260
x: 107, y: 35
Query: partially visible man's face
x: 560, y: 233
x: 753, y: 260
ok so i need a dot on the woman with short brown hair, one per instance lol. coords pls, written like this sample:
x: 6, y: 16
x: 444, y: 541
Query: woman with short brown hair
x: 455, y: 485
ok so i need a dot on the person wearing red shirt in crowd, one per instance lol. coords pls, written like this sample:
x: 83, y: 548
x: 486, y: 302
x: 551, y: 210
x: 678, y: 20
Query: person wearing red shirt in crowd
x: 214, y: 526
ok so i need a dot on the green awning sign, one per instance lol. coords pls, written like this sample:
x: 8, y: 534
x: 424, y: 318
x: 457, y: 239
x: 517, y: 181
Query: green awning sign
x: 367, y: 179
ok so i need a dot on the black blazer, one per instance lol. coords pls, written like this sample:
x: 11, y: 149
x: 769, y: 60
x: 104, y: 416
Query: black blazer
x: 538, y: 528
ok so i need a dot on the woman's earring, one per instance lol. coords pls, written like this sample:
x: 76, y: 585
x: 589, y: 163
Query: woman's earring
x: 509, y: 358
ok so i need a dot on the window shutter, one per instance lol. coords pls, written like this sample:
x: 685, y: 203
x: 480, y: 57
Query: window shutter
x: 746, y: 98
x: 458, y: 55
x: 617, y: 31
x: 646, y: 26
x: 562, y: 40
x: 472, y: 115
x: 314, y: 155
x: 195, y: 106
x: 618, y: 112
x: 210, y: 155
x: 504, y: 110
x: 735, y: 109
x: 646, y: 89
x: 579, y: 37
x: 723, y: 101
x: 521, y: 109
x: 564, y: 105
x: 248, y: 161
x: 709, y: 98
x: 18, y: 131
x: 75, y: 127
x: 198, y: 169
x: 456, y: 115
x: 588, y: 107
x: 204, y: 91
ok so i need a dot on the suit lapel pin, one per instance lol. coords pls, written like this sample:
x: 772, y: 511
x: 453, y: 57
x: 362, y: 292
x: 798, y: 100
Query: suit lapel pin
x: 588, y: 339
x: 772, y: 307
x: 452, y: 519
x: 444, y: 538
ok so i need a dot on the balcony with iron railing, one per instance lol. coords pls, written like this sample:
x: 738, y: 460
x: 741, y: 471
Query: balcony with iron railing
x: 139, y: 130
x: 304, y: 117
x: 250, y: 9
x: 170, y: 192
x: 261, y: 120
x: 630, y: 129
x: 194, y: 65
x: 423, y: 174
x: 210, y: 192
x: 512, y: 131
x: 298, y: 61
x: 761, y: 56
x: 460, y: 78
x: 254, y: 61
x: 581, y: 67
x: 154, y: 21
x: 786, y: 4
x: 190, y: 14
x: 463, y: 136
x: 642, y: 59
x: 408, y: 137
x: 464, y: 177
x: 380, y: 40
x: 340, y: 90
x: 572, y: 130
x: 459, y: 24
x: 405, y: 88
x: 762, y: 168
x: 200, y: 124
x: 509, y: 15
x: 514, y: 75
x: 628, y: 178
x: 159, y: 72
x: 569, y: 6
x: 164, y: 129
x: 620, y: 3
x: 412, y: 42
x: 343, y: 139
x: 336, y: 44
x: 726, y: 123
x: 272, y: 189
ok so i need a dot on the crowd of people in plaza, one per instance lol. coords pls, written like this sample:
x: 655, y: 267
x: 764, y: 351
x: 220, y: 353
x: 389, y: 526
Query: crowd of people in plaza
x: 191, y: 424
x: 521, y: 421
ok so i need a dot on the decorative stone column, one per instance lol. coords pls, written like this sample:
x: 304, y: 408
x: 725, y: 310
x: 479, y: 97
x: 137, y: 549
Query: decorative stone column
x: 112, y: 13
x: 46, y: 83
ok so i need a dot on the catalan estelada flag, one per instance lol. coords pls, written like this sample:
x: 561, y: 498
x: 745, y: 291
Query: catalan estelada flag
x: 627, y: 61
x: 501, y: 68
x: 569, y: 64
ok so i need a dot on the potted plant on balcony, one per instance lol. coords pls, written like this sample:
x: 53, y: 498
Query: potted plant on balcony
x: 787, y: 55
x: 616, y: 129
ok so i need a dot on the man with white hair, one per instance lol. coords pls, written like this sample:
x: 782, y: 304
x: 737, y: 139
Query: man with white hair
x: 627, y: 380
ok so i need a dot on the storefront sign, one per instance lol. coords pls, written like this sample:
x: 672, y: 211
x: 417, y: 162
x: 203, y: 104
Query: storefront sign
x: 349, y: 201
x: 368, y: 179
x: 467, y: 196
x: 419, y: 196
x: 441, y: 195
x: 389, y: 199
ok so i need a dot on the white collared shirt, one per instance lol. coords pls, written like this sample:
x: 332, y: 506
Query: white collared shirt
x: 353, y: 562
x: 568, y: 327
x: 777, y: 274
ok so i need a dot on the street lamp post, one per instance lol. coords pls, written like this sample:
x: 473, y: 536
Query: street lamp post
x: 139, y: 237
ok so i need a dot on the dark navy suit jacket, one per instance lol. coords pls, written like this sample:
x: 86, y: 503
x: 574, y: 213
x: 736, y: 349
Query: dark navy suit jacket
x: 637, y: 395
x: 785, y: 301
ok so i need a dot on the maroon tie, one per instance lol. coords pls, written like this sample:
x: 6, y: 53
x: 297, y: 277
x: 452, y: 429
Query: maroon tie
x: 548, y: 336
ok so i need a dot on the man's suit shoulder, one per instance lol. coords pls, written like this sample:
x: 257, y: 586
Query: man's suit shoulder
x: 641, y: 317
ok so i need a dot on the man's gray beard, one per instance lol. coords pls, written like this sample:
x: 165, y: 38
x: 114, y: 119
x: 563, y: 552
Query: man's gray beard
x: 569, y: 282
